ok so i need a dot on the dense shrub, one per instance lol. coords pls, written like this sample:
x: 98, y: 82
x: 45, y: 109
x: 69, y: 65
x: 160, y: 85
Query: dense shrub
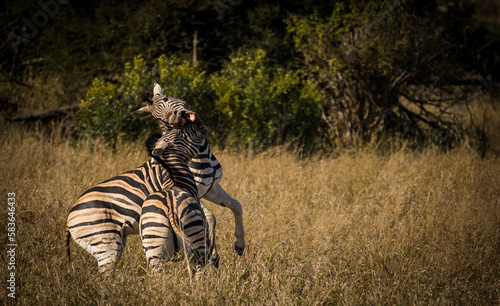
x: 105, y: 111
x: 247, y: 103
x: 260, y: 105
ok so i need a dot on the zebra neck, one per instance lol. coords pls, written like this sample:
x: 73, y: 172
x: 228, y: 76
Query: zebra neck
x: 204, y: 154
x: 180, y: 174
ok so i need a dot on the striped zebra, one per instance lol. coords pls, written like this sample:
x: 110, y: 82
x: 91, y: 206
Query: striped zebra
x: 174, y: 220
x: 102, y: 218
x: 205, y: 167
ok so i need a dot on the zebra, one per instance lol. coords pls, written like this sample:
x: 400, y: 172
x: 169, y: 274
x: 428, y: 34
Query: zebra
x: 205, y: 167
x: 103, y: 216
x: 174, y: 220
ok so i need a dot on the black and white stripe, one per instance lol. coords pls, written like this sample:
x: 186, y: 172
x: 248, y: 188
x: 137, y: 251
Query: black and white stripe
x: 102, y: 217
x: 205, y: 167
x: 173, y: 220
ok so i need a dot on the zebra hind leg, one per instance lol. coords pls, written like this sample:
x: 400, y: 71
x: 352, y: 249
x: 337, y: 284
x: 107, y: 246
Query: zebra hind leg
x: 107, y: 251
x: 220, y: 197
x: 157, y: 235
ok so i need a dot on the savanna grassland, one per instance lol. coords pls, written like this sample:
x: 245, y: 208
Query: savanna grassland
x: 358, y: 228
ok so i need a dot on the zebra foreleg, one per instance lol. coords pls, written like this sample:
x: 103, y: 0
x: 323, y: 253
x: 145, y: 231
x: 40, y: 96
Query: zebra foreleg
x: 220, y: 197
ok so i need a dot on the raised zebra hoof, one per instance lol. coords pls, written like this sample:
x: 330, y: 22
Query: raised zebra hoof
x: 239, y: 250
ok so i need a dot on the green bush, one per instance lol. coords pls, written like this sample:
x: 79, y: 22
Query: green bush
x: 260, y: 105
x: 183, y: 80
x: 105, y: 111
x: 247, y: 103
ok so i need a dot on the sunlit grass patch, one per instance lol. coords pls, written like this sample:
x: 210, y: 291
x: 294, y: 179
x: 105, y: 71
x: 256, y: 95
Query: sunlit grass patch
x: 361, y: 228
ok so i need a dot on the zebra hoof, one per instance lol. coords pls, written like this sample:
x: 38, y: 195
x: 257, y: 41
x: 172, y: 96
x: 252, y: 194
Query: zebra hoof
x: 239, y: 250
x: 214, y: 262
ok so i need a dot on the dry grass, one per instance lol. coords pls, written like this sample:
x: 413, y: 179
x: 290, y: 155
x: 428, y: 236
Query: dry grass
x: 408, y: 228
x: 486, y: 114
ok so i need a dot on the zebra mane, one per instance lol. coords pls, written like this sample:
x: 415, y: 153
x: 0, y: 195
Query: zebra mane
x: 150, y: 145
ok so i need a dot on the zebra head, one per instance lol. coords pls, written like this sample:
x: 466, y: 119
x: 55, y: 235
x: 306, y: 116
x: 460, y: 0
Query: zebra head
x: 158, y: 105
x: 184, y: 140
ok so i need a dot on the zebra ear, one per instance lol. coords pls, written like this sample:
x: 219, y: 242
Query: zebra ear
x: 157, y: 90
x: 143, y: 111
x: 160, y: 147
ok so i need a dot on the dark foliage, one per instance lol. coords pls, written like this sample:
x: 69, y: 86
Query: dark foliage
x: 384, y: 67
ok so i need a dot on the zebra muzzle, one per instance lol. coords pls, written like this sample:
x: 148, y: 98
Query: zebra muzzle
x: 187, y: 117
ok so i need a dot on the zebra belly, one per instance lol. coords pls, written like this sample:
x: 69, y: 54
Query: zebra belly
x: 206, y: 174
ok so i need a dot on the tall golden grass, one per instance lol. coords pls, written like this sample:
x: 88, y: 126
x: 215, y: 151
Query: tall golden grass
x: 362, y: 228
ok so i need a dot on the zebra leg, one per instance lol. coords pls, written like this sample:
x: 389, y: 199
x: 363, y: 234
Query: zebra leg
x: 112, y: 255
x: 156, y: 234
x: 212, y: 222
x: 220, y: 197
x: 107, y: 249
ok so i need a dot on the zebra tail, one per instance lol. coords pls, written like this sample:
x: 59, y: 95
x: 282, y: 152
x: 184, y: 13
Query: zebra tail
x: 186, y: 245
x: 68, y: 235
